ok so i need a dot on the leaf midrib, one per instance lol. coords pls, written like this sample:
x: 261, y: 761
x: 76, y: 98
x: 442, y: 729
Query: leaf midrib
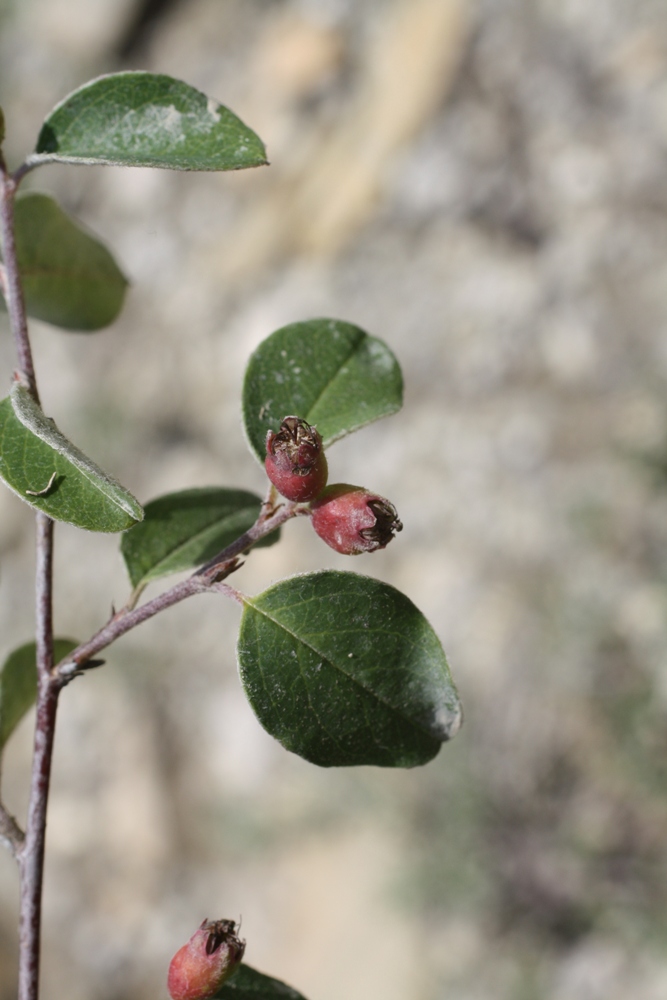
x: 328, y: 385
x: 340, y: 670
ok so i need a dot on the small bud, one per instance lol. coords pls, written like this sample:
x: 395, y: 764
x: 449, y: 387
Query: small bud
x: 353, y: 520
x: 210, y: 957
x: 295, y: 460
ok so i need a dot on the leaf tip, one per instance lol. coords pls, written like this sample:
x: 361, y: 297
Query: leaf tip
x: 447, y: 721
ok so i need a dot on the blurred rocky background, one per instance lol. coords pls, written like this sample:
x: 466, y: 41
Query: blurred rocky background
x: 482, y: 183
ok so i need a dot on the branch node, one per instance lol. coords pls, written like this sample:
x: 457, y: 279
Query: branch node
x: 68, y: 669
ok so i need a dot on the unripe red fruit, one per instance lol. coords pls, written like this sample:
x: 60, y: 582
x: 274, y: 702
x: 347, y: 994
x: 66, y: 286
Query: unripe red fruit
x: 353, y: 520
x: 201, y: 966
x: 295, y: 460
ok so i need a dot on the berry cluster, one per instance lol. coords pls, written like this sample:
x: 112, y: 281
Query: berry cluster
x: 350, y: 519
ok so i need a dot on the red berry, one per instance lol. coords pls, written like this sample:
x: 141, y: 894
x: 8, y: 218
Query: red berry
x: 295, y: 460
x: 202, y: 965
x: 353, y: 520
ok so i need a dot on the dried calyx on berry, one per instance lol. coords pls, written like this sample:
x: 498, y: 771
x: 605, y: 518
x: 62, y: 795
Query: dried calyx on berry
x: 295, y: 460
x: 210, y: 957
x: 353, y: 520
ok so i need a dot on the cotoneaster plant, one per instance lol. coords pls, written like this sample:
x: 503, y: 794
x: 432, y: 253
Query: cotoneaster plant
x: 338, y: 667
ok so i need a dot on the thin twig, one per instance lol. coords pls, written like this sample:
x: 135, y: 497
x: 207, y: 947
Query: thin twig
x: 202, y: 581
x: 13, y: 290
x: 125, y: 620
x: 31, y: 858
x: 264, y: 525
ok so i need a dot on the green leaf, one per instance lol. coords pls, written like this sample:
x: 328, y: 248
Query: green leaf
x: 141, y: 119
x: 330, y: 373
x: 183, y: 530
x: 343, y: 669
x: 18, y: 683
x: 69, y: 278
x: 248, y: 984
x: 33, y: 453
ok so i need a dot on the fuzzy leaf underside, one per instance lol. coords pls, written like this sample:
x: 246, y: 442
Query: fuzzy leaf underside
x: 344, y: 670
x: 330, y: 373
x: 146, y: 120
x: 32, y: 450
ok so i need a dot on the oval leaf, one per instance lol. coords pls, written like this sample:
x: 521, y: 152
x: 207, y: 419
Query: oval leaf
x: 343, y: 669
x: 248, y: 984
x: 142, y: 119
x: 330, y: 373
x: 18, y: 683
x: 69, y: 278
x: 186, y: 529
x: 36, y: 458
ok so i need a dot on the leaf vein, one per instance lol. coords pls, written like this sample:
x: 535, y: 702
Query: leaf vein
x: 335, y: 666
